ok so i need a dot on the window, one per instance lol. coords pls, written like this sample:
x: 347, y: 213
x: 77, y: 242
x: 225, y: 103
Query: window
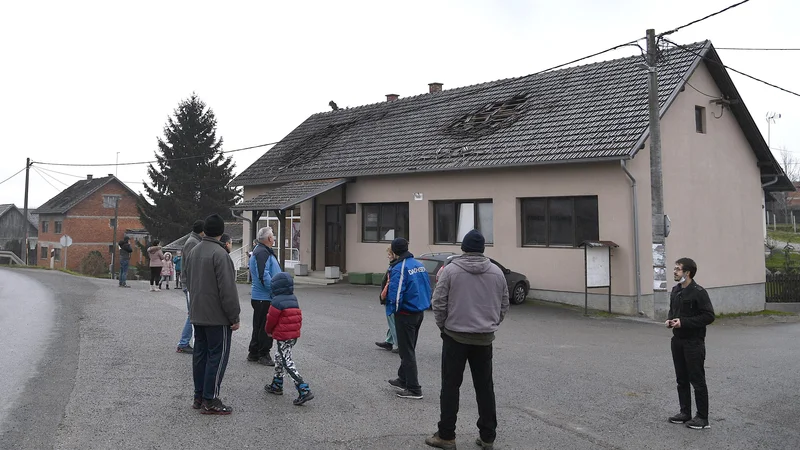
x: 110, y: 201
x: 383, y: 222
x: 112, y: 223
x: 700, y: 119
x: 559, y: 221
x: 58, y: 254
x: 44, y: 254
x: 58, y: 226
x: 452, y: 220
x: 45, y: 226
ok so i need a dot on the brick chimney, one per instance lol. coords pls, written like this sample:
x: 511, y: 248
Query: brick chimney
x: 89, y: 177
x: 391, y: 97
x: 434, y: 87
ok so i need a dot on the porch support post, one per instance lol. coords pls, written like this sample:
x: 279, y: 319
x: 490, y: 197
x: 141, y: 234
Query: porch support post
x: 282, y: 244
x: 254, y: 226
x: 343, y: 228
x: 313, y: 234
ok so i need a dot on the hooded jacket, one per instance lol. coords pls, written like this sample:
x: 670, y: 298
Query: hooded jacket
x: 409, y: 286
x: 211, y: 283
x: 471, y: 296
x: 190, y: 243
x: 284, y: 318
x: 125, y: 250
x: 168, y: 267
x: 263, y: 266
x: 156, y: 256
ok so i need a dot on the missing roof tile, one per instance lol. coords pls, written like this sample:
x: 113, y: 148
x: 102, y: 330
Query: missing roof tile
x: 491, y: 116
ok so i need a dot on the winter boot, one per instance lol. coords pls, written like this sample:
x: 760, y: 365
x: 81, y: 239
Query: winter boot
x: 304, y: 394
x: 276, y: 387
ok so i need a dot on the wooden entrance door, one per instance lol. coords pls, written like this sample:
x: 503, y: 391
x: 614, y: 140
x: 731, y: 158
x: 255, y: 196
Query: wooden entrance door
x: 334, y: 223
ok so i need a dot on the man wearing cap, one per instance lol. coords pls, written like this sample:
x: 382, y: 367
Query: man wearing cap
x: 469, y: 302
x: 214, y: 312
x: 408, y: 297
x: 194, y: 238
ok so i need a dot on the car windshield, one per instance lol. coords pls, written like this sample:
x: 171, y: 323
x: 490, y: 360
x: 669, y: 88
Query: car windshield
x: 430, y: 264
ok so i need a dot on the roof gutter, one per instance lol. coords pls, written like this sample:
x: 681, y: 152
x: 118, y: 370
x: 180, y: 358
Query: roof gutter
x: 636, y: 260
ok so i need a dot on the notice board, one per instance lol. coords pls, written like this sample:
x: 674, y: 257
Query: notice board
x: 598, y: 267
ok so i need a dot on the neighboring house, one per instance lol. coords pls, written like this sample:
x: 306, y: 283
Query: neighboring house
x: 539, y: 164
x: 238, y: 251
x: 12, y: 232
x: 85, y: 212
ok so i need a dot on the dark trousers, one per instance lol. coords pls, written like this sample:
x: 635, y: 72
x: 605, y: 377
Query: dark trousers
x: 212, y: 347
x: 407, y: 326
x: 260, y: 343
x: 688, y: 356
x: 155, y: 275
x: 454, y: 359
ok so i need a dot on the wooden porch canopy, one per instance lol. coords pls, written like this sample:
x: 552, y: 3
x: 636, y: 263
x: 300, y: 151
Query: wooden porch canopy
x: 284, y: 197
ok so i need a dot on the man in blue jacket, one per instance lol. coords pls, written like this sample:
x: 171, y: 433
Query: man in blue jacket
x: 408, y: 298
x: 263, y: 266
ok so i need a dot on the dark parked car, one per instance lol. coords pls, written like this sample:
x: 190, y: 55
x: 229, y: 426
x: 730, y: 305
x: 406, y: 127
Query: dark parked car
x: 518, y: 284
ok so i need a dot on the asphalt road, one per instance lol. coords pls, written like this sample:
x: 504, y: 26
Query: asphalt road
x: 104, y: 374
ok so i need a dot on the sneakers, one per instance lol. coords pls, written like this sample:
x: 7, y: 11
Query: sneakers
x: 188, y: 349
x: 304, y: 394
x: 276, y: 387
x: 266, y: 361
x: 405, y: 393
x: 397, y: 384
x: 436, y: 441
x: 483, y: 444
x: 197, y: 403
x: 680, y: 418
x: 252, y: 358
x: 396, y: 350
x: 215, y: 407
x: 384, y: 345
x: 698, y: 423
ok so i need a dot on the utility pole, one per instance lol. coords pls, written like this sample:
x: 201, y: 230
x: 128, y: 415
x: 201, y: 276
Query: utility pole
x: 660, y: 300
x: 114, y: 239
x: 25, y: 213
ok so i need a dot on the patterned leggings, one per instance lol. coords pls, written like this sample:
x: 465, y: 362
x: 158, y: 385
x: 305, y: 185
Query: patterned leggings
x: 284, y: 362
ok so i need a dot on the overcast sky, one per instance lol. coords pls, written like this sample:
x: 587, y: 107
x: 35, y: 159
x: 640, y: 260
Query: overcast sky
x: 81, y: 81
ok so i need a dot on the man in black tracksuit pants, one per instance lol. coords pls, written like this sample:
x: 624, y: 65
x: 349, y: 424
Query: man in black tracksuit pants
x: 690, y: 311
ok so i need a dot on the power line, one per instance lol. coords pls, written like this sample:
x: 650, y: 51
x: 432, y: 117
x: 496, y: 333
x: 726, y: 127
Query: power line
x: 51, y: 177
x: 45, y: 179
x: 732, y: 69
x: 759, y: 49
x: 674, y: 30
x: 701, y: 92
x: 12, y: 176
x: 149, y: 162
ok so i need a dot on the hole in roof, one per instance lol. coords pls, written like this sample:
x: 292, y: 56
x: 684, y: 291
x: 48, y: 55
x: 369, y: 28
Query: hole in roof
x: 491, y: 116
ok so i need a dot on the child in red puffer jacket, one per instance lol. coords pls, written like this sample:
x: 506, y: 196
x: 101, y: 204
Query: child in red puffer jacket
x: 284, y: 321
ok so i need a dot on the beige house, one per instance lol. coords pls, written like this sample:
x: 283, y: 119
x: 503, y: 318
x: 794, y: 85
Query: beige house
x: 539, y: 164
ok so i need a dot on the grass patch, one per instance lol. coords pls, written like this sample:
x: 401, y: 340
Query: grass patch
x: 785, y: 236
x: 766, y: 312
x: 777, y: 261
x: 604, y: 314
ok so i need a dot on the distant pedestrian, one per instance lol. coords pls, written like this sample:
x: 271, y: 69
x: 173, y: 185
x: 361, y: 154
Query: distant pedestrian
x: 408, y: 297
x: 284, y: 322
x: 177, y: 261
x: 263, y: 266
x: 390, y: 343
x: 125, y: 251
x: 214, y: 312
x: 167, y: 270
x: 469, y: 302
x: 196, y: 235
x: 227, y: 242
x: 156, y: 263
x: 690, y: 311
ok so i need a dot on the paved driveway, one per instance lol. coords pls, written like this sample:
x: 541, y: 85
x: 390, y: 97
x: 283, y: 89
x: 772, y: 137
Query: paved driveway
x: 109, y: 377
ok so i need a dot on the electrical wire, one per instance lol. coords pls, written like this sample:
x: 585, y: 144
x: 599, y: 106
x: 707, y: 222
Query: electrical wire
x: 45, y: 179
x: 732, y: 69
x: 760, y: 49
x: 51, y: 177
x: 701, y: 92
x: 149, y: 162
x: 674, y: 30
x: 12, y: 176
x: 81, y: 176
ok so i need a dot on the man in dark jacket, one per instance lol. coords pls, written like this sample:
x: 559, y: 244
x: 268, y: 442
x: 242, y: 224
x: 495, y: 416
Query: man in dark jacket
x: 214, y: 312
x: 284, y: 322
x: 184, y: 345
x: 469, y: 302
x: 125, y: 251
x: 690, y: 311
x: 408, y: 298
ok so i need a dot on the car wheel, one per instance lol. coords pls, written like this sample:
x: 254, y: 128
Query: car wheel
x: 518, y: 294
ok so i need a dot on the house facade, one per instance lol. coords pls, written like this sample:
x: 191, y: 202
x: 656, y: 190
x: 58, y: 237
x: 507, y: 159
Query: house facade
x: 539, y: 164
x: 12, y: 232
x: 85, y: 212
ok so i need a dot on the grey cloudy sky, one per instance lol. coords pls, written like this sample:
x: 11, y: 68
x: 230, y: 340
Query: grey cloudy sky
x: 81, y: 81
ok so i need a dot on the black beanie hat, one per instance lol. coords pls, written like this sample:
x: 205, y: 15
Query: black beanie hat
x: 473, y: 242
x: 198, y: 226
x: 399, y: 246
x: 214, y: 226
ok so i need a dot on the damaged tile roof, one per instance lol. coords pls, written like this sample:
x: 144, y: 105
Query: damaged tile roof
x: 591, y: 112
x: 75, y: 194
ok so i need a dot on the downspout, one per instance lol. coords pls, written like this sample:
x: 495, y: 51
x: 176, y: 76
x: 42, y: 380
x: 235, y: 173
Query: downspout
x: 638, y: 279
x: 770, y: 183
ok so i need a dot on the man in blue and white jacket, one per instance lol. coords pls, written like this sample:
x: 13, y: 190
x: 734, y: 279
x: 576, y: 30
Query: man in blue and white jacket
x: 408, y: 297
x: 263, y: 266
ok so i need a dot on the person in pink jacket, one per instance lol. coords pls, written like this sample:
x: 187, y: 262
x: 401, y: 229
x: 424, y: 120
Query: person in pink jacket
x: 156, y: 262
x: 167, y: 270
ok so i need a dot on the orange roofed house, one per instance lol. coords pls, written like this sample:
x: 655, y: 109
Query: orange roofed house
x: 85, y: 213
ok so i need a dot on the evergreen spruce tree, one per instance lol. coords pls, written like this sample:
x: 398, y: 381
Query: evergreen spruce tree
x: 191, y: 175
